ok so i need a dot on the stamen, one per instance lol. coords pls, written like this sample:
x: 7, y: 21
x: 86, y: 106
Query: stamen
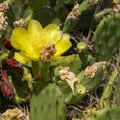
x: 48, y: 52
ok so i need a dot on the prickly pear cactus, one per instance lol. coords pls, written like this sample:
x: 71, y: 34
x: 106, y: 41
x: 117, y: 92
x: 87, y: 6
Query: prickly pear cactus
x: 87, y: 80
x: 70, y: 61
x: 73, y: 16
x: 108, y: 113
x: 108, y: 94
x: 116, y: 95
x: 107, y: 37
x: 98, y: 113
x: 48, y: 104
x: 82, y: 52
x: 21, y: 81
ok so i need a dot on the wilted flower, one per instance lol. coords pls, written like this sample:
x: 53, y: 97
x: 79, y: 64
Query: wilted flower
x: 75, y: 13
x: 4, y: 6
x: 19, y: 23
x: 90, y: 71
x: 32, y: 42
x: 3, y: 22
x: 14, y: 114
x: 69, y: 77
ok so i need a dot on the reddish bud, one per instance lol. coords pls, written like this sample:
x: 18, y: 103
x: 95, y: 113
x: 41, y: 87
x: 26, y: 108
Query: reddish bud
x: 8, y: 44
x: 28, y: 99
x: 40, y: 75
x: 30, y: 90
x: 14, y: 64
x: 6, y: 87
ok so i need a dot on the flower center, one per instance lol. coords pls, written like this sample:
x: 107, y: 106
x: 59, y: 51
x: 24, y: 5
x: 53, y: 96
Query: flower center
x: 48, y: 52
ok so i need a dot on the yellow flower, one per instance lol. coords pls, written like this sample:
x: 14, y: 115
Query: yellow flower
x: 30, y: 42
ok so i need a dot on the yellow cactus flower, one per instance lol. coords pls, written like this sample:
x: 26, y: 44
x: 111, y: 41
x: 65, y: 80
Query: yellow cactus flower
x: 33, y: 43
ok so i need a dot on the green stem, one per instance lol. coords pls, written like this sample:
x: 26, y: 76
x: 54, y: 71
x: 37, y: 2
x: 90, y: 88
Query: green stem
x: 105, y: 99
x: 85, y: 5
x: 45, y: 70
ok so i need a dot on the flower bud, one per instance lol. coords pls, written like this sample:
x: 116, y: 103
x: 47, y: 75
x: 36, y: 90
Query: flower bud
x: 14, y: 64
x: 28, y: 99
x: 8, y: 44
x: 40, y: 75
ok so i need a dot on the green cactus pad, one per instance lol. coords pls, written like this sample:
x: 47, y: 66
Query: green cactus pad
x: 70, y: 61
x: 85, y: 83
x: 107, y: 37
x: 48, y: 104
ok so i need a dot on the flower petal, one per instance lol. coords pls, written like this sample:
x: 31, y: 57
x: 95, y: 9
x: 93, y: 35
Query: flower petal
x: 35, y: 33
x: 34, y: 30
x: 52, y: 33
x: 21, y: 58
x: 19, y: 38
x: 63, y: 45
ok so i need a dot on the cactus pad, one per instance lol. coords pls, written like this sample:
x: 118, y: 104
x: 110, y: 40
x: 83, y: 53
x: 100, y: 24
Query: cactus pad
x: 48, y: 104
x: 70, y: 61
x: 107, y: 37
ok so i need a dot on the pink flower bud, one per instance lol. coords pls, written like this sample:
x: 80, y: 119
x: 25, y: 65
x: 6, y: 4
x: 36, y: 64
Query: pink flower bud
x: 40, y: 75
x: 30, y: 90
x: 28, y: 99
x: 14, y: 64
